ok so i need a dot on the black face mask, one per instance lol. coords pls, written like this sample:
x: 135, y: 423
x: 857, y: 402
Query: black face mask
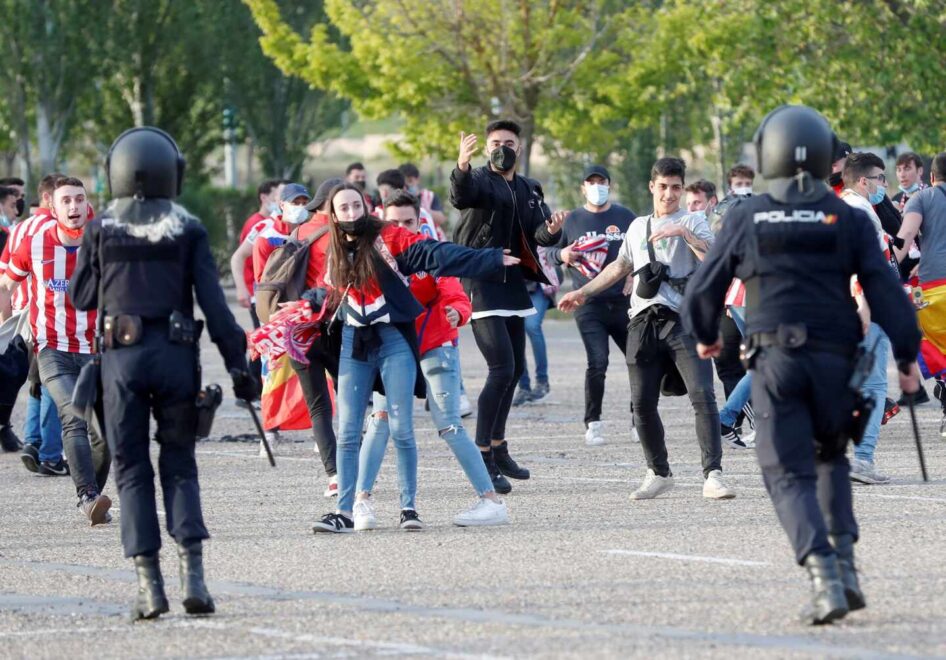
x: 355, y: 227
x: 360, y: 185
x: 503, y: 158
x: 20, y: 207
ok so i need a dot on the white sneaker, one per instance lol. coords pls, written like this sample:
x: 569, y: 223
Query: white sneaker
x: 652, y: 486
x: 715, y: 488
x: 364, y: 516
x: 273, y: 438
x: 485, y: 512
x: 634, y: 437
x: 749, y: 439
x: 332, y: 489
x: 466, y: 409
x: 864, y: 472
x: 594, y: 436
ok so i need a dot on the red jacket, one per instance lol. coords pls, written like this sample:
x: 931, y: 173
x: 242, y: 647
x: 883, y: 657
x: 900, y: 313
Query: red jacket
x: 436, y: 294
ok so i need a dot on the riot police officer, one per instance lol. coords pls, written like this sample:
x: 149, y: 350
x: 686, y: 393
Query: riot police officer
x: 140, y: 265
x: 796, y: 249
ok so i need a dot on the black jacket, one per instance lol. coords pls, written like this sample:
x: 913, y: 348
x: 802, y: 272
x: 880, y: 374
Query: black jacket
x: 501, y: 214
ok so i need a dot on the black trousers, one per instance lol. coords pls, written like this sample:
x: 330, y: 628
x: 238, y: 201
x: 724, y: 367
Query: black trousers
x: 318, y: 401
x: 160, y: 378
x: 801, y: 401
x: 598, y: 321
x: 728, y: 365
x: 502, y: 342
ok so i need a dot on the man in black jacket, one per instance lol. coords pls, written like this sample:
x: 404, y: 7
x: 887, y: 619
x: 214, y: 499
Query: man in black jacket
x: 499, y: 208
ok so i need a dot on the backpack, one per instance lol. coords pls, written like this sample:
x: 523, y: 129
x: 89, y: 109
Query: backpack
x: 283, y: 277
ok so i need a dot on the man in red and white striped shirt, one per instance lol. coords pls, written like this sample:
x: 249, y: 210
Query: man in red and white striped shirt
x: 63, y: 336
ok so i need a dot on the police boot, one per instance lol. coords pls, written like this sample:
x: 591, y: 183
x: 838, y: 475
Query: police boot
x: 197, y: 599
x: 828, y: 602
x: 844, y: 546
x: 151, y: 601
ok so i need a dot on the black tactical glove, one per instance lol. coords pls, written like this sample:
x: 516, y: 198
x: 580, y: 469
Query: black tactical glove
x: 244, y: 387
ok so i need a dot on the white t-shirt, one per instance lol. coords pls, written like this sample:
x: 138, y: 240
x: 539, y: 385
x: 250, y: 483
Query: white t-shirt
x: 672, y: 251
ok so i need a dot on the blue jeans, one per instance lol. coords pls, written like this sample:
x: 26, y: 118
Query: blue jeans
x: 875, y: 387
x: 42, y: 426
x: 537, y: 338
x: 743, y: 390
x: 394, y: 361
x: 441, y: 368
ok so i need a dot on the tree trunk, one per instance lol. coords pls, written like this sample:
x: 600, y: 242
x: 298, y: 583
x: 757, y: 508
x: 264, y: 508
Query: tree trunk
x: 45, y: 139
x: 528, y: 132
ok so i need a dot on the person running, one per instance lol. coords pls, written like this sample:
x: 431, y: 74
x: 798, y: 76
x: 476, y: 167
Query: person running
x: 500, y: 208
x: 446, y: 307
x: 590, y: 242
x: 368, y: 269
x: 64, y: 336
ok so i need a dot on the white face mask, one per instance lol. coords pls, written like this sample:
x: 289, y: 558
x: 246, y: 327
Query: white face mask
x: 597, y: 194
x: 273, y: 208
x: 745, y: 191
x: 295, y: 215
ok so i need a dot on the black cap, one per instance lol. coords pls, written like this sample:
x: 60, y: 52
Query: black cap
x: 321, y: 194
x: 592, y: 170
x: 843, y: 150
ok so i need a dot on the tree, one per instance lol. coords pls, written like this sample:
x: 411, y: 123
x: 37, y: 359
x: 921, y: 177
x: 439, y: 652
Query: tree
x: 443, y: 66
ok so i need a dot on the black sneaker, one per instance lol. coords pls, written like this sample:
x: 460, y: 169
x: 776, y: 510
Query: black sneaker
x: 731, y: 437
x: 335, y: 523
x: 30, y: 457
x: 50, y: 469
x: 500, y: 484
x: 523, y: 396
x: 919, y: 398
x: 540, y: 391
x: 506, y: 465
x: 410, y: 522
x: 8, y: 440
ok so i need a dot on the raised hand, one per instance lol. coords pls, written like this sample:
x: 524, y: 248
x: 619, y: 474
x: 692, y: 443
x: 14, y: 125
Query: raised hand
x: 555, y: 222
x: 467, y: 149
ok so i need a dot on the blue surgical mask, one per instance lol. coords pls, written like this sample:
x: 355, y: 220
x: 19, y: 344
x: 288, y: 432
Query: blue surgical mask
x: 912, y: 189
x: 295, y: 215
x: 273, y: 208
x: 878, y: 196
x: 414, y: 190
x: 597, y: 194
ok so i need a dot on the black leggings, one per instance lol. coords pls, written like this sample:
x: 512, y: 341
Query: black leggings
x: 317, y: 399
x: 502, y: 341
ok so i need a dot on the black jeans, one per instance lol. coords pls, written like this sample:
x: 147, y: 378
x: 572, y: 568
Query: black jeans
x: 317, y: 400
x: 87, y: 453
x: 645, y: 373
x: 728, y: 365
x: 599, y: 320
x: 502, y: 341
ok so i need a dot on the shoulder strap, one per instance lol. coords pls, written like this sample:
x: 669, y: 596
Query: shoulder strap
x: 317, y: 234
x: 650, y: 246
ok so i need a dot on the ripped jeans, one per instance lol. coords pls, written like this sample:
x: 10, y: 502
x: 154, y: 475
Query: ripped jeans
x: 441, y: 368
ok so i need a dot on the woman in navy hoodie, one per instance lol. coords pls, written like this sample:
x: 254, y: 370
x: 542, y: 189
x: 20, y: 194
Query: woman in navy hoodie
x: 368, y: 268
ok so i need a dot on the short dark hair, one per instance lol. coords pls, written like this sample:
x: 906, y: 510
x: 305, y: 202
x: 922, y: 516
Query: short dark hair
x: 909, y: 157
x: 393, y: 178
x: 6, y: 191
x: 8, y: 181
x: 48, y: 184
x: 859, y: 164
x: 703, y: 186
x: 740, y: 169
x: 668, y: 166
x: 403, y: 198
x: 504, y: 125
x: 267, y: 186
x: 410, y: 170
x: 938, y: 166
x: 354, y: 166
x: 64, y: 181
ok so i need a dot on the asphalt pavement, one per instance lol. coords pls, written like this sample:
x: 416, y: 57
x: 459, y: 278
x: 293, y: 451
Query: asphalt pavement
x: 581, y: 571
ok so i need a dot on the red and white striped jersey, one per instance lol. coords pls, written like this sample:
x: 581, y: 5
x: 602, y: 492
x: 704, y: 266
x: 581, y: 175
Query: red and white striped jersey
x: 20, y: 231
x: 736, y: 294
x: 49, y: 265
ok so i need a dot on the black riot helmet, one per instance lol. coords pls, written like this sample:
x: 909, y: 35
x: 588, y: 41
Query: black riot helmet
x: 144, y: 163
x: 793, y: 139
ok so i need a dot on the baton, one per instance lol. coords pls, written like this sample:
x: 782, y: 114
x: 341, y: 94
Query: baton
x: 262, y: 434
x: 916, y: 436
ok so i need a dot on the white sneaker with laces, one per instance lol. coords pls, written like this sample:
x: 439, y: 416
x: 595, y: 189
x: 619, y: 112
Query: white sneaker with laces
x: 594, y: 436
x: 715, y: 488
x: 466, y: 409
x: 652, y: 486
x: 864, y: 472
x: 484, y: 513
x: 364, y: 516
